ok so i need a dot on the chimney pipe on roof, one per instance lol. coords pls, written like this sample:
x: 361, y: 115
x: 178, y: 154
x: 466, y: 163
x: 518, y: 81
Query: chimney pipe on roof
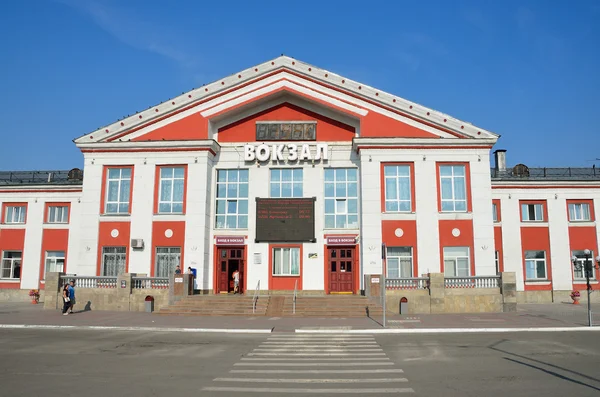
x: 500, y: 159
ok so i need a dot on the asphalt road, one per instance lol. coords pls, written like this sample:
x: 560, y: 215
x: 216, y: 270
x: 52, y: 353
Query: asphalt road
x: 127, y: 363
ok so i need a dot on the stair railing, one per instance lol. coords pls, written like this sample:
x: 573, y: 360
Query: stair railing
x: 255, y: 297
x: 295, y: 297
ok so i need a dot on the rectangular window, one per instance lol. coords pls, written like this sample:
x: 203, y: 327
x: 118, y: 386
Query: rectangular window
x: 11, y: 264
x: 457, y: 262
x: 58, y: 214
x: 171, y: 189
x: 286, y: 261
x: 579, y: 274
x: 55, y: 262
x: 286, y: 182
x: 15, y: 213
x: 497, y: 260
x: 167, y: 259
x: 579, y: 212
x: 118, y: 188
x: 232, y: 199
x: 535, y: 265
x: 398, y: 196
x: 399, y: 262
x: 453, y: 182
x: 341, y: 198
x: 495, y: 212
x: 532, y: 212
x: 113, y: 261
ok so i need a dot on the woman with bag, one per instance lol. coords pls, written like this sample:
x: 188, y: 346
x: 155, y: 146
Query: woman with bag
x: 66, y: 300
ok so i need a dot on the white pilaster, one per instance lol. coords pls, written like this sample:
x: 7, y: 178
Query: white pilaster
x: 32, y: 247
x: 558, y: 225
x: 141, y: 216
x: 483, y: 223
x: 428, y: 228
x: 511, y: 237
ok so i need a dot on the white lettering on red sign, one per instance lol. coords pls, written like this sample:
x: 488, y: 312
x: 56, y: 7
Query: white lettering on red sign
x: 263, y: 152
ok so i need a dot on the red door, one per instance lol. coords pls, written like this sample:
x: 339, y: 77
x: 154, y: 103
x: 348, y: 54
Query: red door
x: 341, y: 269
x: 229, y: 260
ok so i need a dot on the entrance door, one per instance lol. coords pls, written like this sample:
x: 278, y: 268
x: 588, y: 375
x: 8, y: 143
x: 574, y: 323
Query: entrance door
x: 229, y: 260
x: 341, y: 269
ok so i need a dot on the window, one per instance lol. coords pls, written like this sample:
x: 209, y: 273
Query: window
x: 397, y: 188
x: 497, y: 257
x: 495, y: 212
x: 286, y: 182
x: 15, y: 214
x: 113, y: 261
x: 453, y: 183
x: 58, y: 214
x: 11, y: 264
x: 579, y: 274
x: 167, y: 259
x: 286, y: 261
x: 399, y: 262
x: 579, y: 212
x: 118, y: 187
x: 171, y: 187
x: 341, y: 198
x: 55, y: 261
x: 232, y: 199
x: 535, y: 265
x: 456, y: 262
x: 532, y: 212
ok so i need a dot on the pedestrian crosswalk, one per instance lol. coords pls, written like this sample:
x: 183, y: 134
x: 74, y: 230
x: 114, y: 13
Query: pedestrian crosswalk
x: 313, y: 364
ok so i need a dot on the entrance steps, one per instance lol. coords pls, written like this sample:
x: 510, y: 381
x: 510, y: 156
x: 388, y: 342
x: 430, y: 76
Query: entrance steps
x: 332, y: 306
x: 217, y: 305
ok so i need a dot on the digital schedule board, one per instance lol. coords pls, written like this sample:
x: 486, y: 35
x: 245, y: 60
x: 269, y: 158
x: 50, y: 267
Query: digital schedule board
x: 285, y: 220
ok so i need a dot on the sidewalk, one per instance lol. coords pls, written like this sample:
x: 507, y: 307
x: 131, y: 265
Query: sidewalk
x: 546, y: 316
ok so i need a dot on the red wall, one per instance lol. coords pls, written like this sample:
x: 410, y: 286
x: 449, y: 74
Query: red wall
x: 193, y: 127
x: 536, y: 239
x: 160, y: 240
x: 408, y: 239
x: 581, y: 238
x: 245, y: 130
x: 378, y: 125
x: 464, y: 240
x: 53, y: 240
x: 106, y: 240
x: 498, y: 242
x: 13, y: 240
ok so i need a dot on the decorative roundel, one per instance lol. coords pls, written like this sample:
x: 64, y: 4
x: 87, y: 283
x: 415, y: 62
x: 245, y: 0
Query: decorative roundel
x: 455, y: 232
x: 168, y: 233
x: 114, y: 233
x: 399, y: 232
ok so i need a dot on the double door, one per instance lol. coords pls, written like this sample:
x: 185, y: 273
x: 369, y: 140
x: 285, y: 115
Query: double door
x: 341, y: 269
x: 230, y: 259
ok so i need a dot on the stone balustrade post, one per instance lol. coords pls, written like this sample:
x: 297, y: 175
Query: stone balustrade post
x: 52, y: 299
x: 124, y: 288
x: 437, y: 293
x: 508, y: 289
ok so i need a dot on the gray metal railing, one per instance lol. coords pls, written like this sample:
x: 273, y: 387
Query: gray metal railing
x: 255, y: 297
x: 150, y: 282
x: 473, y: 282
x: 295, y: 297
x: 90, y: 281
x: 407, y: 283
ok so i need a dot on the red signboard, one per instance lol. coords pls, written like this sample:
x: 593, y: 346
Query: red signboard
x: 229, y: 240
x: 341, y: 240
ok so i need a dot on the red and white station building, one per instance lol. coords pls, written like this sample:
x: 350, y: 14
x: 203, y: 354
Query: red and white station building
x: 298, y: 177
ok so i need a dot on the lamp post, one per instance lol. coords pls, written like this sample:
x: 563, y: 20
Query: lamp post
x: 588, y: 268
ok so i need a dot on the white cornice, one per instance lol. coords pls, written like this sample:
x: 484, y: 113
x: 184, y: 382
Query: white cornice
x: 365, y: 143
x: 152, y: 145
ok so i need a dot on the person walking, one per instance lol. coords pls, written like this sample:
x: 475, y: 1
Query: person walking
x: 236, y: 281
x: 66, y: 300
x: 71, y: 295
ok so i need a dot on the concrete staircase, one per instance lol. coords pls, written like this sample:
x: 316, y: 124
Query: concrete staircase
x: 217, y: 305
x: 332, y: 306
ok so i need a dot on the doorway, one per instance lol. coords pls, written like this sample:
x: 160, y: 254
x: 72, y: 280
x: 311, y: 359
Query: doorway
x: 341, y: 269
x: 230, y: 259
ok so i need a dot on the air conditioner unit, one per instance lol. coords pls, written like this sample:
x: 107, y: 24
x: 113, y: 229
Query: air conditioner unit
x: 137, y: 243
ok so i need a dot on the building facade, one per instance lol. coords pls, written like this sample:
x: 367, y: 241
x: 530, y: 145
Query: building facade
x: 299, y: 179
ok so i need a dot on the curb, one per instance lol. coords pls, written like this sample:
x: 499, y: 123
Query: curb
x: 148, y: 329
x: 445, y: 330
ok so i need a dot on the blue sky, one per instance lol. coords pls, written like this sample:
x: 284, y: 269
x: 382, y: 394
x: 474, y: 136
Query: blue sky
x: 527, y: 70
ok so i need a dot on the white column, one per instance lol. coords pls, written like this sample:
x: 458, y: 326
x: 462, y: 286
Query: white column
x: 258, y: 186
x: 511, y: 238
x: 483, y: 223
x: 142, y: 203
x: 428, y: 228
x: 370, y: 221
x: 560, y: 255
x: 32, y: 246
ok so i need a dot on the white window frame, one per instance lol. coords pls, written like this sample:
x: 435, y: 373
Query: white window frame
x: 276, y: 180
x: 581, y: 261
x: 338, y: 202
x: 118, y: 254
x: 454, y: 258
x: 15, y: 213
x: 11, y: 262
x: 525, y: 215
x: 58, y: 214
x: 174, y: 178
x: 535, y: 261
x: 399, y: 181
x: 169, y: 257
x: 120, y: 180
x: 230, y: 206
x: 495, y: 212
x: 394, y: 262
x: 577, y: 213
x: 286, y: 269
x: 51, y: 262
x: 455, y: 189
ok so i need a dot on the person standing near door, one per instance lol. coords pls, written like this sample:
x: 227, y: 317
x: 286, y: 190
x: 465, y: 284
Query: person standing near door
x: 236, y: 281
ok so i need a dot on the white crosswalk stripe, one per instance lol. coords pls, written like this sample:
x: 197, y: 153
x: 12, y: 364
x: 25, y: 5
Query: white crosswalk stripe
x: 313, y: 364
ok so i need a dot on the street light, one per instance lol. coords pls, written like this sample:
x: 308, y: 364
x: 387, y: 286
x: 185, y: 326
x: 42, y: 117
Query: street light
x: 588, y: 268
